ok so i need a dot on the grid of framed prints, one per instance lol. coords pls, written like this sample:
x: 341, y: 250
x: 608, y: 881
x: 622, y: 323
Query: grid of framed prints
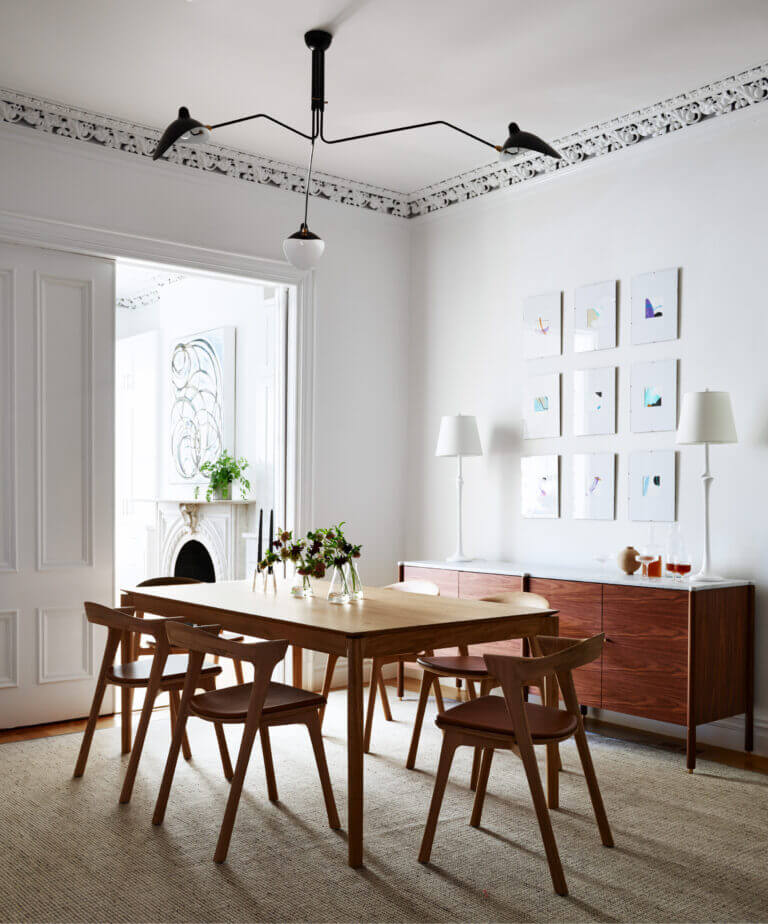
x: 591, y: 478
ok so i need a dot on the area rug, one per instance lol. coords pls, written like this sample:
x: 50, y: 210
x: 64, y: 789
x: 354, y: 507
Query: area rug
x: 688, y: 847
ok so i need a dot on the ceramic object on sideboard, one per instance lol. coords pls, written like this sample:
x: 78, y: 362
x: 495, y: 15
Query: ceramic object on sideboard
x: 627, y: 560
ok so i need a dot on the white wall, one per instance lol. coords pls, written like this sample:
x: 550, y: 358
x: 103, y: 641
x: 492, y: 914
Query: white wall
x: 361, y: 301
x: 697, y: 200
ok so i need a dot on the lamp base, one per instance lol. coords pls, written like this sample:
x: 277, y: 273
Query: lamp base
x: 459, y: 556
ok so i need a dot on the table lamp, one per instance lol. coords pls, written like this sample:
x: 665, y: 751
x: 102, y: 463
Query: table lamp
x: 459, y: 437
x: 706, y: 417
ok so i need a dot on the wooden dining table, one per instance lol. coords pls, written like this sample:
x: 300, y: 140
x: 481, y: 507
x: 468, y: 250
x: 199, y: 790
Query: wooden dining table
x: 385, y: 623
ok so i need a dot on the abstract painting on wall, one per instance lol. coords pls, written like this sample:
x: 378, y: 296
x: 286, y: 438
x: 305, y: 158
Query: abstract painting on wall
x: 202, y: 408
x: 652, y: 485
x: 594, y: 486
x: 594, y: 401
x: 541, y: 408
x: 654, y: 306
x: 542, y: 325
x: 653, y: 396
x: 594, y: 326
x: 540, y: 486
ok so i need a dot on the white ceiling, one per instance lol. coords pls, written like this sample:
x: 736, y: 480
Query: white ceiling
x: 554, y: 66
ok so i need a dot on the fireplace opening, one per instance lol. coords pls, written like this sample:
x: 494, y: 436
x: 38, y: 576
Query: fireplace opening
x: 193, y: 561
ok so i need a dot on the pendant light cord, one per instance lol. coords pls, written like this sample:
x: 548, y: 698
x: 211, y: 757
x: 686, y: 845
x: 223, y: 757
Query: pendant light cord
x: 315, y: 132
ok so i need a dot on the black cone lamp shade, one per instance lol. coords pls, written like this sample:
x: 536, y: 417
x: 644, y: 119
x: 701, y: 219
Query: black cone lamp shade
x: 519, y: 140
x: 185, y: 129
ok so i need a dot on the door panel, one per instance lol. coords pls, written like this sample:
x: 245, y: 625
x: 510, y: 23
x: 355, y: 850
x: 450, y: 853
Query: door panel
x: 646, y: 653
x: 56, y: 481
x: 579, y: 605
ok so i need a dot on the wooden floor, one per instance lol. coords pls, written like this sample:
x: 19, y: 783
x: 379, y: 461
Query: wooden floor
x: 738, y: 759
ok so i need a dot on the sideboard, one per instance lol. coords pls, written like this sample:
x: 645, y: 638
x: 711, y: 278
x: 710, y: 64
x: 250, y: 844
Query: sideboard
x: 674, y: 652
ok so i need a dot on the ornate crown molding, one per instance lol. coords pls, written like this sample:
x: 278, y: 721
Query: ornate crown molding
x: 150, y: 295
x: 678, y: 112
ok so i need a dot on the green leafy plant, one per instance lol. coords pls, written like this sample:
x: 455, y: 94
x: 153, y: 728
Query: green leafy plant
x: 223, y: 472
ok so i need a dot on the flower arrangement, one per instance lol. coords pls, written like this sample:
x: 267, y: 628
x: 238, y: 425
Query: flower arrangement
x: 313, y: 556
x: 222, y: 473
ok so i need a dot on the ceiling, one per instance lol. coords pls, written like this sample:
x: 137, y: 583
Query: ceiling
x: 554, y: 66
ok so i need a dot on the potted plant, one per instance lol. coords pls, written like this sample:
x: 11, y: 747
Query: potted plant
x: 222, y: 474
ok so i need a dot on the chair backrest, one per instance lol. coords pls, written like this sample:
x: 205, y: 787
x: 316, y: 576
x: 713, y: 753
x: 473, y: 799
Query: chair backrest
x: 518, y: 598
x: 168, y: 581
x: 121, y: 619
x: 204, y: 640
x: 416, y: 587
x: 561, y: 656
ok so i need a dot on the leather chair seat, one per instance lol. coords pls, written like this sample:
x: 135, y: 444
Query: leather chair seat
x: 230, y: 704
x: 489, y: 714
x: 471, y: 666
x: 136, y: 673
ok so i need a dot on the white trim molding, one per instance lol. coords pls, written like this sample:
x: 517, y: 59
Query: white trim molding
x: 738, y: 91
x: 9, y: 648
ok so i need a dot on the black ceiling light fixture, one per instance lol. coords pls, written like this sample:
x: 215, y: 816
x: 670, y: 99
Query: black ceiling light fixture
x: 303, y: 248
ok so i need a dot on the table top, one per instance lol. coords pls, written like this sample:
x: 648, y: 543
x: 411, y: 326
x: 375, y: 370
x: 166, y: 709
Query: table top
x: 610, y: 574
x: 381, y: 611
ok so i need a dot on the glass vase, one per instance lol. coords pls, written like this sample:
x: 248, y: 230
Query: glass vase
x: 338, y: 592
x: 355, y: 584
x: 302, y: 585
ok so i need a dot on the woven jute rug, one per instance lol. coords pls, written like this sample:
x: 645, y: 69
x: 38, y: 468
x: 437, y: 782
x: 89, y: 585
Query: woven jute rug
x: 688, y: 848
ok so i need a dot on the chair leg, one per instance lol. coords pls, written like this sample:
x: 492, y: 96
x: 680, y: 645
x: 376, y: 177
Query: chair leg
x: 235, y: 790
x: 269, y: 767
x: 485, y: 688
x: 316, y: 737
x: 401, y: 680
x: 426, y: 683
x: 372, y: 689
x: 126, y: 695
x: 238, y: 671
x: 443, y: 770
x: 226, y: 763
x: 528, y: 758
x: 439, y: 696
x: 330, y: 667
x: 175, y: 699
x: 384, y: 697
x: 482, y: 783
x: 173, y: 751
x: 592, y: 785
x: 215, y: 659
x: 110, y: 650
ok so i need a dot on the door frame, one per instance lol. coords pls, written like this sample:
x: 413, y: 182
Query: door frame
x: 17, y: 228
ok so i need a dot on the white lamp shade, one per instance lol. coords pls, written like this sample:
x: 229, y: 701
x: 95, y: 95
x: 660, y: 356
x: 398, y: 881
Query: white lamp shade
x: 303, y: 253
x: 706, y: 417
x: 459, y: 437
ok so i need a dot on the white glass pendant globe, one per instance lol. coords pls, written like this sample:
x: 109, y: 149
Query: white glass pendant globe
x: 303, y: 249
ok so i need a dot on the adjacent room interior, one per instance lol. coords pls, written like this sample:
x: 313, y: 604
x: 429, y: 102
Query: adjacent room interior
x: 382, y: 450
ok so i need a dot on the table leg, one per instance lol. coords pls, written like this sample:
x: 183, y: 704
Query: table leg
x: 552, y: 698
x: 297, y: 672
x: 355, y: 750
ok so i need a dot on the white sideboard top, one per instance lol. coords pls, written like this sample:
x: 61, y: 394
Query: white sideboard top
x: 608, y: 575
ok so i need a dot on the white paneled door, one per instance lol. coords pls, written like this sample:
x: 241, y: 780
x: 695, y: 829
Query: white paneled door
x: 56, y: 478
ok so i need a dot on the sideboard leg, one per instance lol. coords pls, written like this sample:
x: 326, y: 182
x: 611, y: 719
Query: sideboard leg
x: 690, y: 752
x: 749, y: 716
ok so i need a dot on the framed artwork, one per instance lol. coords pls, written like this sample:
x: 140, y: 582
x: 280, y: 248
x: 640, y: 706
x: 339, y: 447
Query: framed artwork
x: 542, y: 325
x: 652, y: 485
x: 653, y: 396
x: 594, y: 325
x: 654, y: 306
x: 541, y: 409
x: 540, y: 486
x: 594, y: 486
x: 594, y: 401
x: 201, y: 376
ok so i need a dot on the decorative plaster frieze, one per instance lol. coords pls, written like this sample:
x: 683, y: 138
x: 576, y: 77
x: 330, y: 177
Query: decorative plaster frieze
x: 150, y: 295
x: 679, y: 112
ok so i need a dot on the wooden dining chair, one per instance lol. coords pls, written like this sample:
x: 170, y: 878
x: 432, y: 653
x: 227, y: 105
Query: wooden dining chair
x: 225, y: 633
x: 511, y: 723
x: 472, y: 669
x: 258, y: 706
x: 163, y: 673
x: 377, y: 664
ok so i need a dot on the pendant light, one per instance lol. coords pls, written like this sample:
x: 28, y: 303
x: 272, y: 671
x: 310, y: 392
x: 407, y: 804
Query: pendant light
x: 303, y: 248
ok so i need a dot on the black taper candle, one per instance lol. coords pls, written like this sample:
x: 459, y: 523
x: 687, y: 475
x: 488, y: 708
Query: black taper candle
x: 271, y: 532
x: 260, y: 551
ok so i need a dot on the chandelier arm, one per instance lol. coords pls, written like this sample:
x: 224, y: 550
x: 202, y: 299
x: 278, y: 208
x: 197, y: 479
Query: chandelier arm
x: 405, y: 128
x: 262, y: 115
